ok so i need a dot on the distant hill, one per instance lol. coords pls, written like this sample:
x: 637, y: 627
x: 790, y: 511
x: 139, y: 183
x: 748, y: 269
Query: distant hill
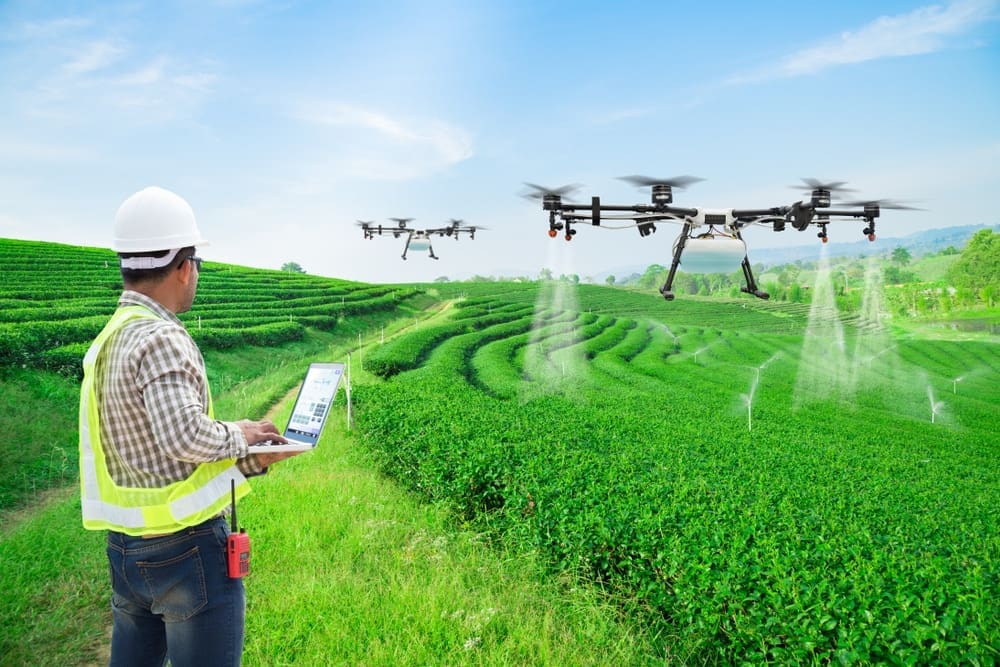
x: 918, y: 243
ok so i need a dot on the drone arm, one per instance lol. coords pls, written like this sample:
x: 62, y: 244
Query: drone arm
x: 777, y: 211
x: 873, y: 213
x: 647, y: 209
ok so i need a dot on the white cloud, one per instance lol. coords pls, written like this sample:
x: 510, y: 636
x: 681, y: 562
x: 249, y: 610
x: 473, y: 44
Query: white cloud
x: 388, y: 147
x: 146, y: 75
x: 13, y: 150
x: 449, y: 142
x: 44, y: 29
x: 92, y: 57
x: 924, y: 30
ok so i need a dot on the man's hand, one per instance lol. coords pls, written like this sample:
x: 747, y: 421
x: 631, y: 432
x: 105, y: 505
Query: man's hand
x: 260, y: 431
x: 263, y: 431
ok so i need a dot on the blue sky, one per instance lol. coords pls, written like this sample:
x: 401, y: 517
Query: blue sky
x: 284, y: 122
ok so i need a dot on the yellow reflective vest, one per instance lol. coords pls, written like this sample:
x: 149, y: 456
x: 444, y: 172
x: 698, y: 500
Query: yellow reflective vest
x: 139, y: 511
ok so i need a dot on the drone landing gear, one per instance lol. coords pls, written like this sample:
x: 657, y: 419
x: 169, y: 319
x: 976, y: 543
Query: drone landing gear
x: 751, y: 287
x: 666, y: 290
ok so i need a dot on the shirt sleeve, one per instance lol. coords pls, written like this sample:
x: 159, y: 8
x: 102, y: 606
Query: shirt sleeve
x: 172, y: 381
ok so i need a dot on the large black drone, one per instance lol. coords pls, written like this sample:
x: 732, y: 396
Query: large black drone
x: 417, y: 239
x: 719, y: 248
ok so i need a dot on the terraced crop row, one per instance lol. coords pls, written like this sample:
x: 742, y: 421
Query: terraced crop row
x: 843, y: 526
x: 45, y: 324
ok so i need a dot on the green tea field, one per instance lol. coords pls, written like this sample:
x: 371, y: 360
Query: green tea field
x: 748, y: 482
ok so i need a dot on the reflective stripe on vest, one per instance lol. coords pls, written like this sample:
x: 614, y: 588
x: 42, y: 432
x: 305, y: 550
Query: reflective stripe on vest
x: 138, y: 511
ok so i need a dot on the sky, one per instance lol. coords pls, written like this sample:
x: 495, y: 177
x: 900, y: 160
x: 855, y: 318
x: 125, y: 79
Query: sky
x: 283, y: 123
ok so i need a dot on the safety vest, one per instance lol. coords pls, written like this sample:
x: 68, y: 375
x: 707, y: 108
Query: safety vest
x: 139, y: 511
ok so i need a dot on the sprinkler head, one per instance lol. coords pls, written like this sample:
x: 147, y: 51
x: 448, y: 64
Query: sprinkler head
x: 552, y: 233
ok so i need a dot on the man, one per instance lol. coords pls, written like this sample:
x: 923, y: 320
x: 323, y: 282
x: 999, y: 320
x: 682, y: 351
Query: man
x: 156, y: 469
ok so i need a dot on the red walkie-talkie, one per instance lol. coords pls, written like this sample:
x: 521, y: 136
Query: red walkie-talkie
x: 237, y: 546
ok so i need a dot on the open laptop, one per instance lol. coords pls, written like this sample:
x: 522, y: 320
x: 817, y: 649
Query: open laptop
x: 312, y: 407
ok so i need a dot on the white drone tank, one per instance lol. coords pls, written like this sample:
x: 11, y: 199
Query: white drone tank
x: 420, y: 244
x: 712, y: 254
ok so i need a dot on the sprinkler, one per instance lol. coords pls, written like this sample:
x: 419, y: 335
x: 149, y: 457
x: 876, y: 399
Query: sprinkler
x: 936, y: 406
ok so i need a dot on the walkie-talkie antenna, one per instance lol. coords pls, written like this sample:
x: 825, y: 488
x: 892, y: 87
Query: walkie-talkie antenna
x: 232, y: 488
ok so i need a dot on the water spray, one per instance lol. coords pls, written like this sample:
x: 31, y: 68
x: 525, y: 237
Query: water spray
x: 702, y: 349
x: 954, y: 384
x: 936, y: 406
x: 748, y: 399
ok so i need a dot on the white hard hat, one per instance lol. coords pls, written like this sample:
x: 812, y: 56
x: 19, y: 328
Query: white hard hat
x: 155, y: 219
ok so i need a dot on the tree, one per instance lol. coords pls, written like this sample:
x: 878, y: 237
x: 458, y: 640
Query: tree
x: 651, y: 277
x: 979, y: 263
x: 901, y: 255
x: 610, y: 280
x: 292, y: 267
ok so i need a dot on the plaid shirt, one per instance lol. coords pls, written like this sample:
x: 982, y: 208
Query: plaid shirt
x: 152, y: 394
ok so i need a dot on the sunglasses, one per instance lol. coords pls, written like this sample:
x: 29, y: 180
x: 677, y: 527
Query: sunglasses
x: 196, y: 260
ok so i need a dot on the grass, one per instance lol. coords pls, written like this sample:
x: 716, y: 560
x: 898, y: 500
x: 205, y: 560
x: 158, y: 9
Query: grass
x: 348, y: 568
x: 39, y: 412
x: 369, y: 575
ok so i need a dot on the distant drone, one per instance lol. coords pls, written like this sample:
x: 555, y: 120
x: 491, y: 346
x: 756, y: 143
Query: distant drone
x: 721, y: 246
x: 417, y: 239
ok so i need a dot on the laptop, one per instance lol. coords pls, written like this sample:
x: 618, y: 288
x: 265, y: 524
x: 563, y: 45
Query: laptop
x: 312, y: 407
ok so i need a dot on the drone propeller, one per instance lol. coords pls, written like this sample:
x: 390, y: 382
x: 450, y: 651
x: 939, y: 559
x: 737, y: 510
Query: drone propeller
x: 811, y: 184
x: 540, y: 191
x: 364, y: 223
x: 662, y: 188
x: 675, y: 182
x: 402, y: 221
x: 881, y: 203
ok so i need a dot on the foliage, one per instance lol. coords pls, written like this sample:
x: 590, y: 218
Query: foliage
x: 839, y: 531
x: 46, y: 323
x: 979, y: 264
x: 292, y: 267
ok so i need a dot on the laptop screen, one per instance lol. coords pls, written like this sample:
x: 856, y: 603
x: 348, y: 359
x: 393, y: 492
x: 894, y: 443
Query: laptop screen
x: 313, y: 402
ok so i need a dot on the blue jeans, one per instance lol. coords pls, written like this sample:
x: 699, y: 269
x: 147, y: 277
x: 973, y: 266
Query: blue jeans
x: 172, y: 598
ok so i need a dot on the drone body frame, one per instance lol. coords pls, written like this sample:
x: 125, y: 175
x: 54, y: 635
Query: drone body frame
x: 725, y: 223
x: 418, y: 239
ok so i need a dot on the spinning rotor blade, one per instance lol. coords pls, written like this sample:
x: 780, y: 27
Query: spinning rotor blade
x: 540, y: 191
x: 402, y: 221
x: 675, y: 182
x: 811, y: 184
x: 881, y: 203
